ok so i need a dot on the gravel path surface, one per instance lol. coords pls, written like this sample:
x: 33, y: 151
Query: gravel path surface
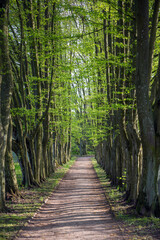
x: 76, y: 210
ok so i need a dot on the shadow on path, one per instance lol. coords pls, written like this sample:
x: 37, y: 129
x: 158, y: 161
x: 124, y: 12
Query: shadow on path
x: 76, y: 210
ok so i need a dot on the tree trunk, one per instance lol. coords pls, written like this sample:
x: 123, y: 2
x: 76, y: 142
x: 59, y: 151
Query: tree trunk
x: 6, y: 81
x: 113, y: 160
x: 153, y: 34
x: 156, y: 111
x: 10, y: 174
x: 28, y: 178
x: 147, y: 195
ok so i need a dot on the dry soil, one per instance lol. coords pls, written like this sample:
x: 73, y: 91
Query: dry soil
x: 77, y: 209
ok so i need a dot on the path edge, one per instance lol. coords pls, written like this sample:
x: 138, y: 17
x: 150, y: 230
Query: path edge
x: 119, y: 224
x: 44, y: 202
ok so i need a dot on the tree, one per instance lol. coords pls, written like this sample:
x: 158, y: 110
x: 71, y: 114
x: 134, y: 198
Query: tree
x: 147, y: 198
x: 37, y: 97
x: 6, y: 82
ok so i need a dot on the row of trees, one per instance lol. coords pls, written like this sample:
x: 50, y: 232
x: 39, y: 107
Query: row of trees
x: 35, y: 100
x: 87, y: 70
x: 120, y: 62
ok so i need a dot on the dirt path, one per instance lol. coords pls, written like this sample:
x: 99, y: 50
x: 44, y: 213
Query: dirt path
x: 76, y: 210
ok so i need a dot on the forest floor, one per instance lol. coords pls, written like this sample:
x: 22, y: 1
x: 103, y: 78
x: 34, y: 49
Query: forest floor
x: 137, y: 227
x: 81, y: 207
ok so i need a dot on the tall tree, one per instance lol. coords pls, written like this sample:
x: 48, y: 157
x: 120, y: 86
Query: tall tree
x: 6, y: 82
x: 147, y: 198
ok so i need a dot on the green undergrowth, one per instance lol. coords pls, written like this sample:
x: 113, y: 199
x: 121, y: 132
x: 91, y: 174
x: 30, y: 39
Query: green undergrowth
x: 23, y: 208
x: 134, y: 225
x: 18, y: 173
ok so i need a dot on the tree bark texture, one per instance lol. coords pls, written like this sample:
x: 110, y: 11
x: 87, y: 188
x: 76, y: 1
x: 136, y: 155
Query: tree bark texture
x: 6, y: 81
x: 10, y: 174
x: 147, y: 196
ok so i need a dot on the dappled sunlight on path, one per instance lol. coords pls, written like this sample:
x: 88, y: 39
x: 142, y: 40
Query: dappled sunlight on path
x: 76, y: 210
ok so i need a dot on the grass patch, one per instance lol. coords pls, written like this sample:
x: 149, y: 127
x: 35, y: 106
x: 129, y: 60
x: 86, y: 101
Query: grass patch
x: 136, y: 226
x: 18, y: 173
x: 22, y: 209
